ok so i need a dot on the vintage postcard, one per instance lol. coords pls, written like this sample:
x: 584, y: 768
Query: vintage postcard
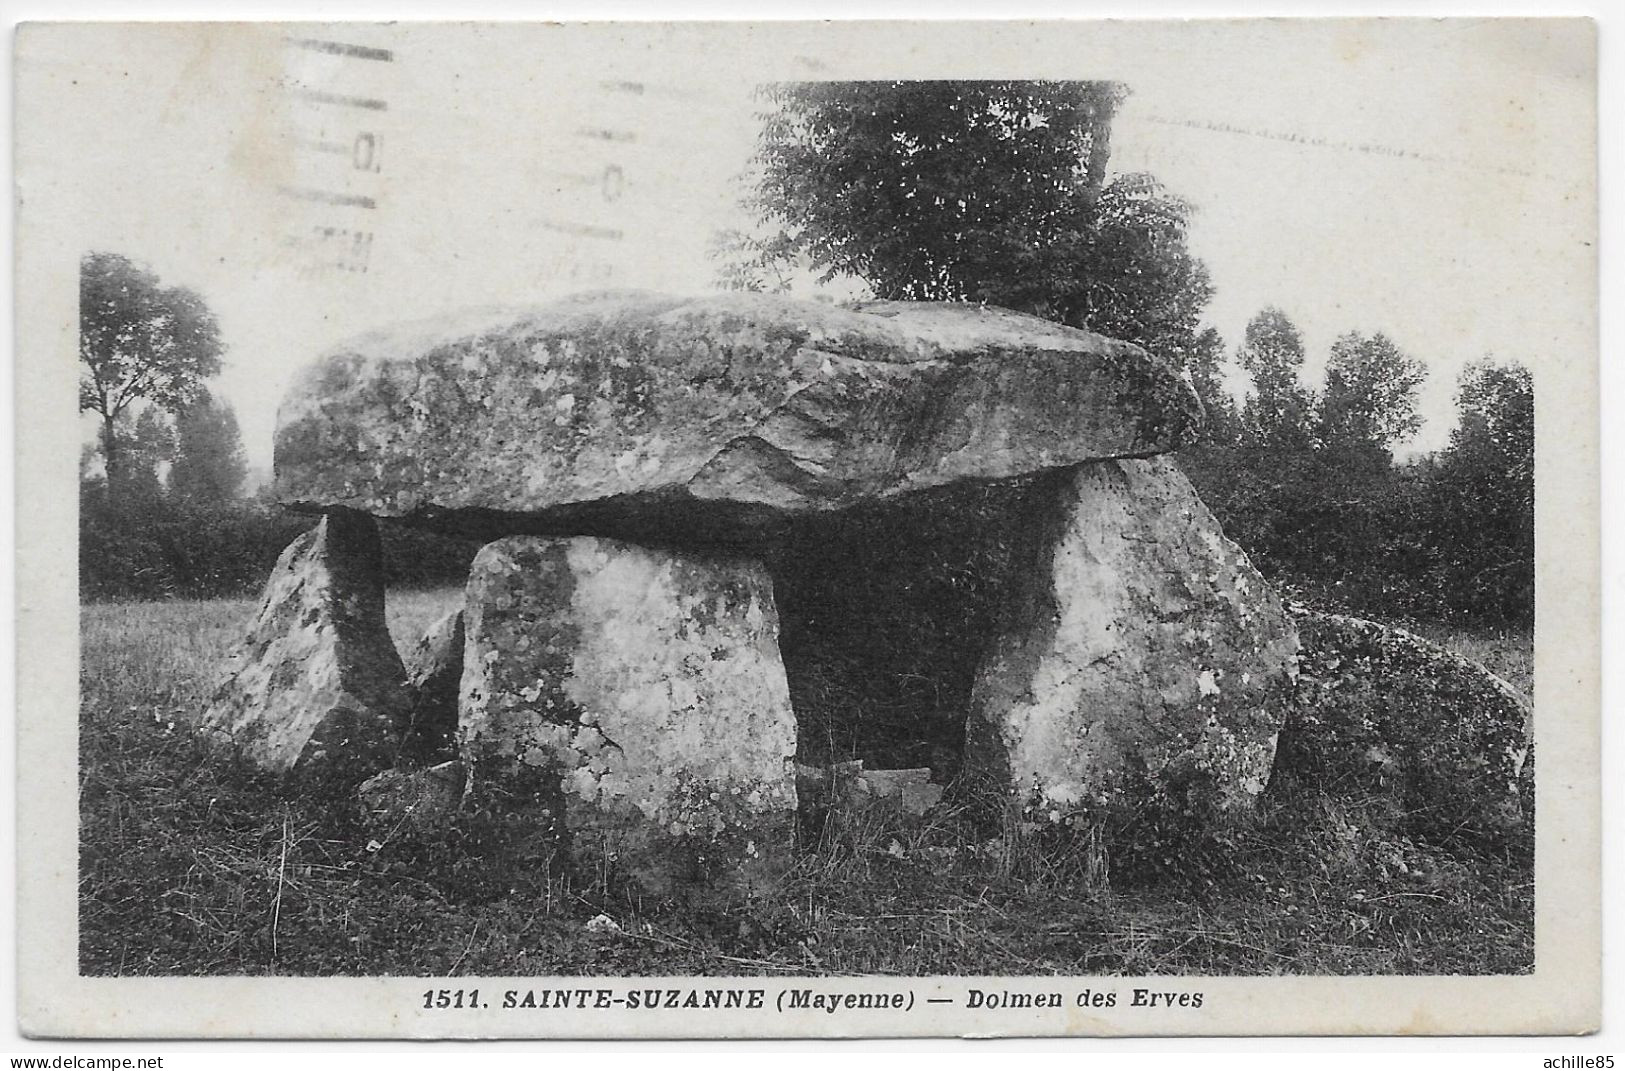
x: 807, y: 529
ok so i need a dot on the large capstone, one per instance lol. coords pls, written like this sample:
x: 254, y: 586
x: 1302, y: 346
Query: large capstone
x: 1384, y: 715
x: 633, y: 701
x: 660, y: 418
x: 317, y: 686
x: 1141, y: 657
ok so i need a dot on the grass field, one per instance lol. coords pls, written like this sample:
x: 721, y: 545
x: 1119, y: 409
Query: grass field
x: 191, y: 864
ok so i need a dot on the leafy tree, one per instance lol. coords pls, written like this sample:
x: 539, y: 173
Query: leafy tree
x: 1139, y: 280
x: 209, y: 465
x: 990, y: 192
x: 147, y: 445
x: 1201, y: 360
x: 138, y: 341
x: 925, y: 190
x: 1279, y: 411
x: 1370, y: 394
x: 1484, y: 494
x: 1495, y: 403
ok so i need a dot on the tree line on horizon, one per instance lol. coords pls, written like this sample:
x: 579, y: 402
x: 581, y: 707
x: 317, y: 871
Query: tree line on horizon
x: 1305, y: 479
x: 988, y: 192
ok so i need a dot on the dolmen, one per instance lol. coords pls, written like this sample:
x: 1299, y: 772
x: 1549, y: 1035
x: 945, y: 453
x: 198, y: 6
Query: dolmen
x: 615, y: 671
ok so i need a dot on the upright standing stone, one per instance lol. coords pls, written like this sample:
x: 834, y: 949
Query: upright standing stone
x: 1142, y: 653
x: 634, y: 700
x: 434, y: 672
x: 317, y: 685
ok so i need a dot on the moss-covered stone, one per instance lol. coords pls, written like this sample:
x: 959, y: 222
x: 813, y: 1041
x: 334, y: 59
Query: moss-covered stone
x: 316, y: 687
x: 1384, y: 714
x: 633, y: 700
x: 1140, y: 652
x: 653, y: 418
x: 412, y: 799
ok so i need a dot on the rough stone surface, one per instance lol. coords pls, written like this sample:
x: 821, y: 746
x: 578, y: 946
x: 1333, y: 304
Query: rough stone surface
x: 648, y: 417
x: 1141, y: 655
x: 434, y: 672
x: 848, y: 787
x: 396, y: 799
x: 1384, y: 713
x: 633, y: 699
x: 317, y: 686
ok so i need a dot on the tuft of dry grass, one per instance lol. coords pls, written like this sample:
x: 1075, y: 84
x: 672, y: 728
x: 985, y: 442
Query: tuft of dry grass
x: 194, y: 865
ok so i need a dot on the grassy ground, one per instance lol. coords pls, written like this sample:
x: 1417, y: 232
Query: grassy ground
x: 193, y: 865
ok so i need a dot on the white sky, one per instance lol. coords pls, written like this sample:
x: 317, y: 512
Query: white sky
x: 176, y: 140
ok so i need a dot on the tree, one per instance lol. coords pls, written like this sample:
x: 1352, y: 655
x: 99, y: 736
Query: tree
x: 1484, y: 493
x: 925, y: 190
x: 1370, y: 394
x: 119, y: 533
x: 1139, y: 280
x: 1278, y: 413
x: 1202, y: 360
x: 148, y: 445
x: 991, y: 192
x: 1495, y: 404
x: 209, y: 466
x: 138, y: 341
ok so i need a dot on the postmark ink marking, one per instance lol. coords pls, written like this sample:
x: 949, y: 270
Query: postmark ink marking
x: 327, y: 197
x: 343, y: 100
x: 340, y: 48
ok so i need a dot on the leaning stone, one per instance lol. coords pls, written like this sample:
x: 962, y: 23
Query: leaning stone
x: 1382, y: 714
x: 648, y: 417
x: 633, y: 700
x: 434, y: 671
x: 316, y: 687
x: 397, y: 799
x: 1141, y: 659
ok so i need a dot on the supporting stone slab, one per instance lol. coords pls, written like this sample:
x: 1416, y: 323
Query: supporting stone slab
x: 316, y: 687
x: 634, y: 700
x: 434, y: 672
x: 1141, y: 654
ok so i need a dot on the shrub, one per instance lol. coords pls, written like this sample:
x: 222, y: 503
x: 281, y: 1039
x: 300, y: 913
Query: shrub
x: 153, y: 545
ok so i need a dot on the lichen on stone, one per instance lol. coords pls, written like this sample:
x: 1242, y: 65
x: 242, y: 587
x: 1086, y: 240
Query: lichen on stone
x: 596, y: 664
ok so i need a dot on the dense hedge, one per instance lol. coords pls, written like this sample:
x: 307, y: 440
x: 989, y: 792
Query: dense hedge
x: 1343, y: 529
x: 1350, y: 529
x: 157, y: 546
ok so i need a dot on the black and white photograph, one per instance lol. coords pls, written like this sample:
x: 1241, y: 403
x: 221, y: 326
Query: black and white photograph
x: 798, y: 529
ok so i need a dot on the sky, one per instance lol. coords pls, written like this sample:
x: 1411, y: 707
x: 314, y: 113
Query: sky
x: 1428, y: 180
